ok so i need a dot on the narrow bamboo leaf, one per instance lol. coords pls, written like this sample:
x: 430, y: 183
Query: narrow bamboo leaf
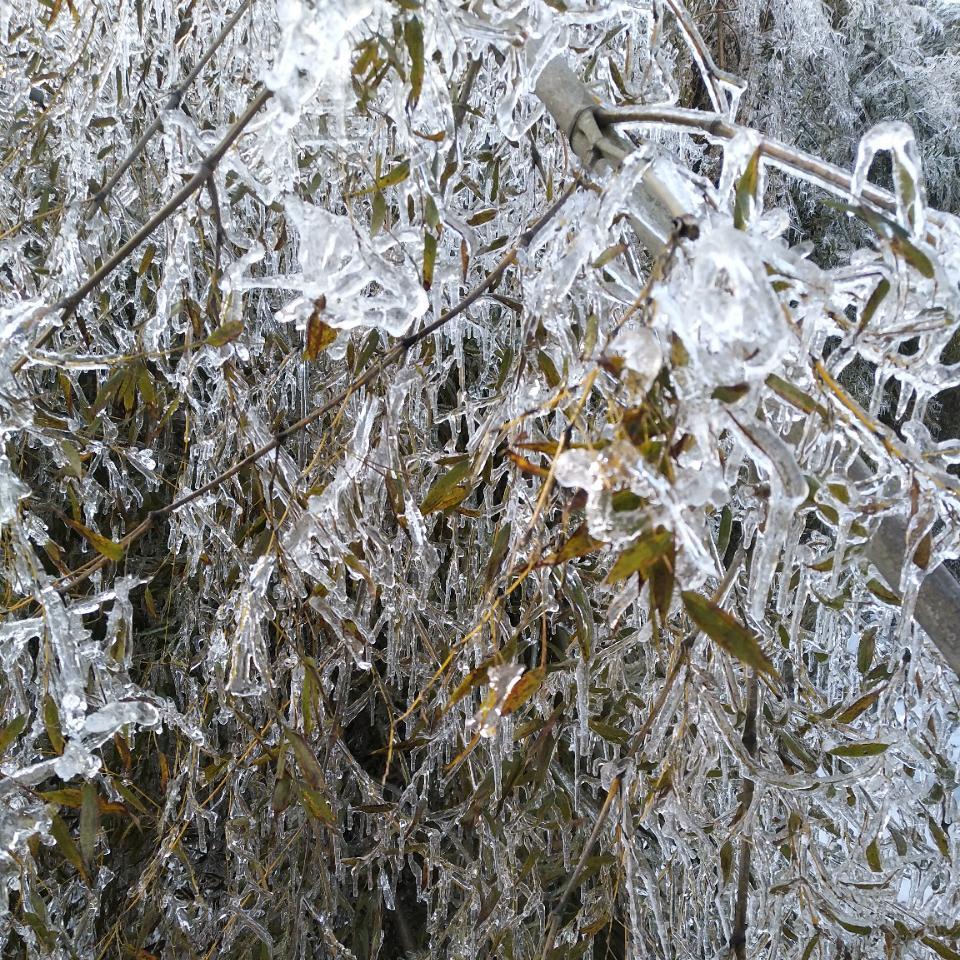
x: 498, y: 552
x: 146, y: 259
x: 429, y: 258
x: 579, y: 544
x: 448, y: 490
x: 866, y: 649
x: 858, y: 706
x: 732, y: 393
x: 307, y: 760
x: 609, y: 732
x: 726, y: 632
x: 726, y: 526
x: 745, y: 198
x: 51, y: 723
x: 109, y: 548
x: 641, y: 555
x: 914, y: 256
x: 65, y: 844
x: 11, y: 731
x: 473, y: 679
x: 413, y: 37
x: 317, y: 806
x: 89, y: 822
x: 883, y: 593
x: 225, y: 333
x: 876, y: 298
x: 523, y: 690
x: 859, y: 749
x: 794, y: 395
x: 940, y: 948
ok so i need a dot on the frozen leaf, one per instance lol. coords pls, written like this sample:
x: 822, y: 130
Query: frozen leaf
x: 727, y: 632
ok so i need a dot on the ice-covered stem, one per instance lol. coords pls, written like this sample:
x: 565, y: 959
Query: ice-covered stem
x: 713, y: 76
x: 825, y: 175
x: 738, y: 935
x: 587, y: 125
x: 173, y: 101
x: 399, y: 350
x: 573, y: 108
x: 68, y: 304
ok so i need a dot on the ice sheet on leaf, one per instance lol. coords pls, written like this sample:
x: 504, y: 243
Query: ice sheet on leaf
x: 364, y: 282
x: 897, y: 137
x: 721, y: 305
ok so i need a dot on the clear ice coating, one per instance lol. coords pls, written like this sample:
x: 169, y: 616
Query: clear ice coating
x: 377, y: 691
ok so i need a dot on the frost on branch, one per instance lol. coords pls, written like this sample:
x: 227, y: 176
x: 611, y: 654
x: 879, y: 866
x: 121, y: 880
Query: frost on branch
x: 563, y: 629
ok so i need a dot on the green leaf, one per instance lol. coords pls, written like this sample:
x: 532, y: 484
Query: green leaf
x: 883, y: 593
x: 745, y: 198
x: 914, y: 256
x: 65, y: 843
x: 876, y: 298
x: 225, y: 333
x: 429, y: 258
x: 940, y: 948
x: 318, y: 808
x: 859, y: 749
x: 103, y: 545
x: 794, y: 396
x: 726, y: 632
x: 640, y: 556
x: 307, y: 760
x: 873, y: 856
x: 51, y: 723
x: 726, y: 526
x: 449, y: 490
x: 609, y: 732
x: 866, y: 649
x: 11, y: 731
x: 732, y: 393
x: 859, y: 706
x: 89, y: 822
x: 413, y: 37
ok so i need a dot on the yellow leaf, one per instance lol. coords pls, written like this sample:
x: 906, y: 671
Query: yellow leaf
x: 319, y: 333
x: 523, y: 690
x: 109, y: 548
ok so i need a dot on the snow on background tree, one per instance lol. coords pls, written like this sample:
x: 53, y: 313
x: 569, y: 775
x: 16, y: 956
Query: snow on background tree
x: 428, y: 531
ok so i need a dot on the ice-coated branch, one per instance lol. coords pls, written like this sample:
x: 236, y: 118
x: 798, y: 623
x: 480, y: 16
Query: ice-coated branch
x: 587, y: 126
x: 174, y: 97
x: 825, y: 175
x: 68, y: 304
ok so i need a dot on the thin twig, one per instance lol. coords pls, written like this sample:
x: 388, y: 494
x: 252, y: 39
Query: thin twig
x: 68, y: 304
x: 738, y: 935
x: 173, y: 101
x: 832, y: 178
x: 395, y: 353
